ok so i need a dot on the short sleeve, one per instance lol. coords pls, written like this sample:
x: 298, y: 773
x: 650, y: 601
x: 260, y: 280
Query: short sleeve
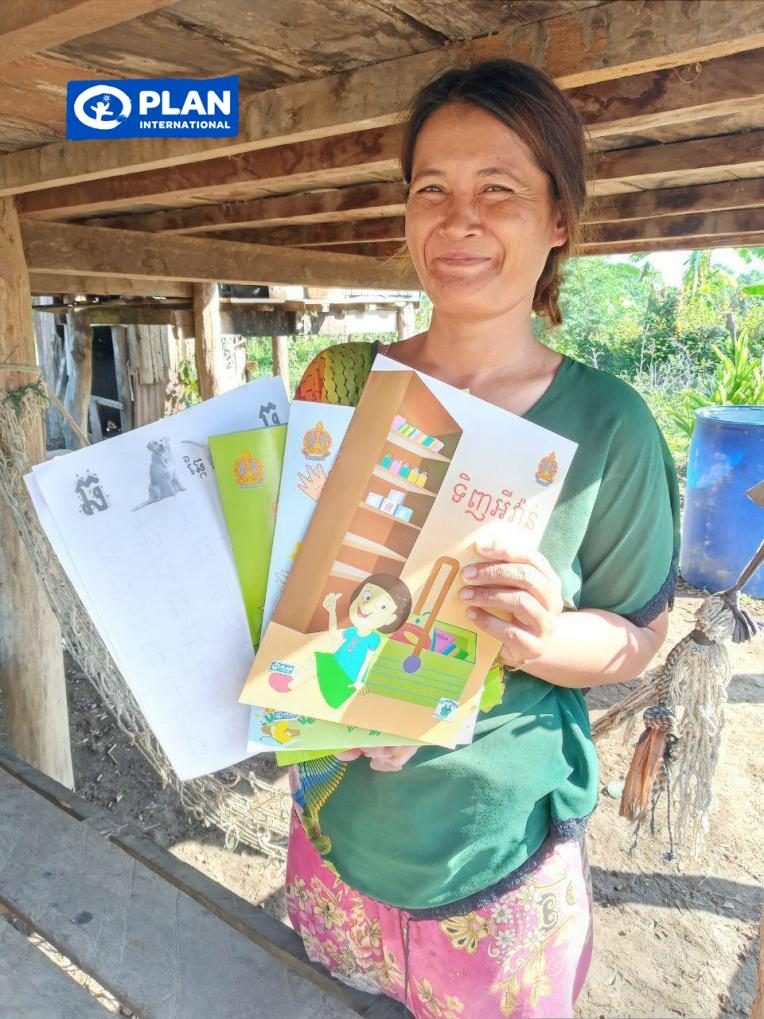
x: 630, y: 552
x: 374, y: 641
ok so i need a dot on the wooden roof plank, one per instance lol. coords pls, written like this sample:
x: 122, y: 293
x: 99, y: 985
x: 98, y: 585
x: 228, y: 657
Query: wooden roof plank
x: 88, y: 250
x: 59, y: 283
x: 642, y: 102
x: 701, y: 160
x: 595, y: 44
x: 323, y: 162
x: 31, y: 26
x: 299, y: 167
x: 362, y: 201
x: 390, y: 228
x: 692, y: 225
x: 728, y: 194
x: 673, y: 244
x: 379, y: 201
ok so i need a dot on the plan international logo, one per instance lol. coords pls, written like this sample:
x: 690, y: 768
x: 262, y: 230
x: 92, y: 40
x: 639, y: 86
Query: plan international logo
x: 153, y: 108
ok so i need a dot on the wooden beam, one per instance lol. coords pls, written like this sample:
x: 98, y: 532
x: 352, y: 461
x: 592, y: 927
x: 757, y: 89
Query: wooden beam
x: 362, y: 201
x: 673, y: 244
x: 641, y: 102
x: 324, y: 234
x: 374, y: 201
x: 698, y: 225
x: 31, y: 26
x: 207, y: 346
x: 333, y: 162
x: 596, y: 44
x: 728, y: 194
x: 631, y: 104
x: 375, y: 153
x: 61, y: 248
x: 370, y: 249
x: 700, y: 161
x: 71, y: 283
x: 31, y: 659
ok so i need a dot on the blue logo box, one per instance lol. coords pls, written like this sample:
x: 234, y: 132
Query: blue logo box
x: 153, y: 108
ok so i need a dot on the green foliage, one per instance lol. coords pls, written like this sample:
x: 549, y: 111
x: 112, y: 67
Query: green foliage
x: 737, y: 379
x: 184, y: 391
x: 662, y: 404
x: 673, y: 344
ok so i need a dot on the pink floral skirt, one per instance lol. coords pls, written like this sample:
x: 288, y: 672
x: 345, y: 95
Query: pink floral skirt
x: 526, y: 954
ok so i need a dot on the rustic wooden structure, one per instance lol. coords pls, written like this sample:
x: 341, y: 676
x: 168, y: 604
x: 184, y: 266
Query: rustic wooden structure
x: 309, y: 191
x: 162, y: 938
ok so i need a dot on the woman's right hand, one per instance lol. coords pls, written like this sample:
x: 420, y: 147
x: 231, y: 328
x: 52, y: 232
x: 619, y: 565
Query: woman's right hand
x: 380, y: 758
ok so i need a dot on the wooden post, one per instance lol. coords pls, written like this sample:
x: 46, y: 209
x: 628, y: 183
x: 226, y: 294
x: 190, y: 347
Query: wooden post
x: 124, y: 389
x: 207, y: 338
x: 405, y: 321
x: 280, y: 349
x: 50, y: 354
x: 79, y: 353
x: 31, y: 659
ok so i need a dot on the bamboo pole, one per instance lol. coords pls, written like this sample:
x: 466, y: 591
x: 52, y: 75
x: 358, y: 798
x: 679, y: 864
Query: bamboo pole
x: 31, y: 659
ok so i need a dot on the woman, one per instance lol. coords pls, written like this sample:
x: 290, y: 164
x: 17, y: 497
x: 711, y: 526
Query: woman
x: 456, y: 880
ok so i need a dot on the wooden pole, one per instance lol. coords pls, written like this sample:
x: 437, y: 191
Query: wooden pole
x: 124, y: 389
x: 50, y: 354
x: 405, y: 321
x: 31, y: 659
x: 207, y: 337
x: 79, y: 353
x: 280, y: 349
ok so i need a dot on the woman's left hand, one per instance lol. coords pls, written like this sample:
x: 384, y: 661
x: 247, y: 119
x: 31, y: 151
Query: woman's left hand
x: 514, y: 595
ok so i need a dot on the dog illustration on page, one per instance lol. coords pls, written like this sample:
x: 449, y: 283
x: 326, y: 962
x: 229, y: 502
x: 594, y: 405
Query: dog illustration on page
x: 163, y: 481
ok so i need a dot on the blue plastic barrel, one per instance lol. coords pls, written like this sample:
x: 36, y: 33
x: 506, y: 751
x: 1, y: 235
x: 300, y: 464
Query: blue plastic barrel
x: 722, y: 527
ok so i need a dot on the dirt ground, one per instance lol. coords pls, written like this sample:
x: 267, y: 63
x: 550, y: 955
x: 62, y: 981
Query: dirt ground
x: 670, y: 940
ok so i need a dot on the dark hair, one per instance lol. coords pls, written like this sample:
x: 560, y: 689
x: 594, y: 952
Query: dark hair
x: 529, y: 103
x: 397, y: 590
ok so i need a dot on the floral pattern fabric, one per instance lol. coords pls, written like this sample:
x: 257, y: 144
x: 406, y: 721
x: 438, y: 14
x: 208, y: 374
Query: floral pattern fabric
x: 524, y: 955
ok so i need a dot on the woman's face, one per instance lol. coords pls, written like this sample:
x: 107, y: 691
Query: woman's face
x: 480, y: 219
x: 374, y: 607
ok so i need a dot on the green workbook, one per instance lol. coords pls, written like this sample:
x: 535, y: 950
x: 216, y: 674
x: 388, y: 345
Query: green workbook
x: 248, y: 473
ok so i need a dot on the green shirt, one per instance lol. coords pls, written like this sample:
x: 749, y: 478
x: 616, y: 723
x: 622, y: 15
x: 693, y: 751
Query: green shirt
x: 455, y: 823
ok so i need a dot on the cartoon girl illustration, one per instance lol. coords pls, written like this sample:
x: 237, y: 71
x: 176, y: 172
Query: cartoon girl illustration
x: 380, y: 604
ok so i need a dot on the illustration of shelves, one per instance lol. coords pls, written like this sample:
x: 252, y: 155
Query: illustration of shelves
x: 398, y: 482
x: 368, y: 537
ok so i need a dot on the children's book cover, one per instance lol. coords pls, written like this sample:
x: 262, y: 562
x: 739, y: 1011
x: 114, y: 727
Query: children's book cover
x: 370, y: 630
x: 313, y: 439
x: 283, y: 730
x: 248, y: 474
x: 139, y: 528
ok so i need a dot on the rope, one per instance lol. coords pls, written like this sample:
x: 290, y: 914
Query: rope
x: 245, y: 808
